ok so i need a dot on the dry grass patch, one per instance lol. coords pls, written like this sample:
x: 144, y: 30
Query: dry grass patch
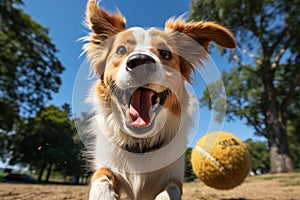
x: 264, y: 187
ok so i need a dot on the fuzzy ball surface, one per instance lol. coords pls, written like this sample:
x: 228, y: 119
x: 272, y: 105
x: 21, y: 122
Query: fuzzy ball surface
x: 220, y: 160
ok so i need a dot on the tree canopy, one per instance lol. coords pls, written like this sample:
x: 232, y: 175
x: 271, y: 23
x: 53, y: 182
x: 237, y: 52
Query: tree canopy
x: 47, y: 140
x: 189, y: 174
x: 264, y: 85
x: 29, y: 69
x: 259, y: 156
x: 294, y: 140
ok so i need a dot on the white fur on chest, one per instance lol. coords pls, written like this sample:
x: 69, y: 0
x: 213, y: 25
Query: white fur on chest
x: 149, y: 185
x: 147, y: 174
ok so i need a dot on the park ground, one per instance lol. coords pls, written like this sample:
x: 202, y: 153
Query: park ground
x: 264, y: 187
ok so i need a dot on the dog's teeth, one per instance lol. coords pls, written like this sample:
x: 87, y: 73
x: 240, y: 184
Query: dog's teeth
x: 124, y: 98
x: 128, y: 118
x: 157, y: 100
x: 154, y: 107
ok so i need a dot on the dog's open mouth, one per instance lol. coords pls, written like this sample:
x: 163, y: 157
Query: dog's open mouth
x: 141, y: 106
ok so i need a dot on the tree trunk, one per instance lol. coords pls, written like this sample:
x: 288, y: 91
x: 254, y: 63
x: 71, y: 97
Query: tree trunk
x: 275, y: 121
x: 281, y: 161
x: 49, y: 172
x: 42, y: 171
x: 77, y: 178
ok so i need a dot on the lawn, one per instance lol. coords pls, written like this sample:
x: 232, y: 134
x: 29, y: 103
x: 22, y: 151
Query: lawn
x: 275, y: 187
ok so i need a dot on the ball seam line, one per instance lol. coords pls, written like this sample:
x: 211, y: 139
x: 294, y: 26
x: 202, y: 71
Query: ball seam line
x: 205, y: 153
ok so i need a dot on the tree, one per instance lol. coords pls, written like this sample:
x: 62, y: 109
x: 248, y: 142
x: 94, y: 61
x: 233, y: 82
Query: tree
x: 266, y: 80
x: 67, y: 108
x: 46, y: 141
x: 189, y: 174
x: 81, y: 122
x: 29, y: 69
x: 259, y: 155
x: 294, y: 138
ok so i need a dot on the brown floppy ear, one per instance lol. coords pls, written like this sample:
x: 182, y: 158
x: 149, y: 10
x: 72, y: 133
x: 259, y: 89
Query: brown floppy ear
x: 102, y: 23
x: 104, y: 26
x: 203, y: 32
x: 188, y: 34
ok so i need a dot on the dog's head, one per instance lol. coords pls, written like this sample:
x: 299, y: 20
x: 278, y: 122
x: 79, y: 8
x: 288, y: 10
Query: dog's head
x: 142, y: 71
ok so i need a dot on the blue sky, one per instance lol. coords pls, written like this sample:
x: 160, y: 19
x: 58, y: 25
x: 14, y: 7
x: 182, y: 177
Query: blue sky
x: 64, y: 19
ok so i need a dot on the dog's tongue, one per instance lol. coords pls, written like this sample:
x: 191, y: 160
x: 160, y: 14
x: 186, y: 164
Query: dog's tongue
x: 140, y: 107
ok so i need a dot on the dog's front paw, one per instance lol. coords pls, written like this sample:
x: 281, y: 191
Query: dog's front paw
x: 102, y: 190
x: 163, y: 196
x: 172, y: 192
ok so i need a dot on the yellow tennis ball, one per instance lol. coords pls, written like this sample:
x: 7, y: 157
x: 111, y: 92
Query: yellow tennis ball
x: 220, y: 160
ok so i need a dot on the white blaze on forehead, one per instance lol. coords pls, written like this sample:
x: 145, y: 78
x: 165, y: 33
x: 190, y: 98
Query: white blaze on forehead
x: 143, y: 39
x: 143, y: 45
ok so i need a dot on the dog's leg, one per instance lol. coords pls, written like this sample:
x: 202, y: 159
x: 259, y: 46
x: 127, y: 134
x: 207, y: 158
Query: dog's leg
x: 103, y: 186
x: 172, y: 192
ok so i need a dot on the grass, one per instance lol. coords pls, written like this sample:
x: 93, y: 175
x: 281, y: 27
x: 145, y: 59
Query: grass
x: 263, y: 177
x: 275, y: 176
x: 55, y: 178
x: 292, y: 179
x: 285, y: 180
x: 265, y: 186
x: 2, y: 175
x: 290, y: 182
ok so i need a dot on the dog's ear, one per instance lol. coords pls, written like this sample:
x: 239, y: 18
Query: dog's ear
x: 189, y: 34
x: 203, y: 32
x: 104, y: 26
x: 102, y: 23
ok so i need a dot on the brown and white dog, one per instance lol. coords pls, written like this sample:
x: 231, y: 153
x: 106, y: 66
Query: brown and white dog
x: 143, y: 109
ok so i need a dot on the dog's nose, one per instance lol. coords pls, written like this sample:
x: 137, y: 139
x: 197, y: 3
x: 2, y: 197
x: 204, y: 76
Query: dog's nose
x: 141, y: 59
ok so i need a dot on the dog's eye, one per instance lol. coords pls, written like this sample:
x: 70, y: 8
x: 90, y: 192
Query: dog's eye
x: 166, y: 54
x: 121, y: 50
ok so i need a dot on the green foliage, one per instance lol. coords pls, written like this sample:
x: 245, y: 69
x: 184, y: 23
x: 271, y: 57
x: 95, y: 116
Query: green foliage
x: 253, y: 19
x: 260, y: 156
x: 29, y: 69
x: 189, y: 173
x: 48, y: 139
x: 243, y: 94
x: 264, y: 85
x: 294, y: 138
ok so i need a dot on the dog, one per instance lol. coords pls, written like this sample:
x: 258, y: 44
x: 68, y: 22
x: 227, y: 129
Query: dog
x: 143, y: 110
